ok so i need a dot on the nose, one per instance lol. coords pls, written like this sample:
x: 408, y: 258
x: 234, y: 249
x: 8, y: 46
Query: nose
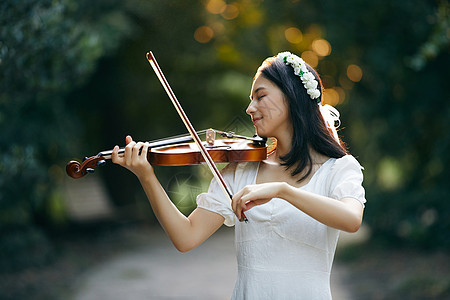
x: 251, y: 109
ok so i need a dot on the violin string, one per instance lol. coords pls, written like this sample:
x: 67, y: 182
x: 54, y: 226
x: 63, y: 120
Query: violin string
x: 225, y: 134
x: 177, y: 136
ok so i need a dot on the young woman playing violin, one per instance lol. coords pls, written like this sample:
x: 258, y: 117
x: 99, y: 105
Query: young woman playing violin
x: 296, y: 201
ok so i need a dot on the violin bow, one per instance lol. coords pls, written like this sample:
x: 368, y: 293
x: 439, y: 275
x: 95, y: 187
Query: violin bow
x: 209, y: 161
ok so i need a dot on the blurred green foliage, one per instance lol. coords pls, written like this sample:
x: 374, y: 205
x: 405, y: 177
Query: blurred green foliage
x: 74, y: 81
x: 47, y: 48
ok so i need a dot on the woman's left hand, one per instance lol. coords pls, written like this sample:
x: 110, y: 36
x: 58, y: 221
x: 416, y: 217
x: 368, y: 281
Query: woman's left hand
x: 253, y: 195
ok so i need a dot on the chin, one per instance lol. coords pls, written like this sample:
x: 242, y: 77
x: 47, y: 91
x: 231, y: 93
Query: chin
x: 262, y: 133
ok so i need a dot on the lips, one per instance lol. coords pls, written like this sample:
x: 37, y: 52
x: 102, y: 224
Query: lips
x: 256, y: 120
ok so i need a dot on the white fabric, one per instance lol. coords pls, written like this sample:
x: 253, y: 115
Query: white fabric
x: 283, y: 253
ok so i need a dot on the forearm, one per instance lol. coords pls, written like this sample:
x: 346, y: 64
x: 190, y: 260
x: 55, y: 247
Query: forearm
x: 186, y: 233
x: 171, y: 219
x: 343, y: 215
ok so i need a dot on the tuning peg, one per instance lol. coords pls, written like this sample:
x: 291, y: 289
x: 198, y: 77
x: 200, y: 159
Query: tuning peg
x: 101, y: 162
x: 90, y: 170
x: 85, y: 158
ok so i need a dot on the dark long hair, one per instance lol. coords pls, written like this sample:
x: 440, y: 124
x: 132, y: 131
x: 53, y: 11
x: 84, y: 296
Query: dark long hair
x: 310, y: 129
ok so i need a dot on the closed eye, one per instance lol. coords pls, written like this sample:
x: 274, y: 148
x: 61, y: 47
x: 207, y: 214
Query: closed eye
x: 259, y: 93
x: 258, y: 97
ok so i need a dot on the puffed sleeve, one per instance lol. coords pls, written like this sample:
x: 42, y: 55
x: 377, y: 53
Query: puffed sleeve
x: 215, y: 200
x: 346, y: 179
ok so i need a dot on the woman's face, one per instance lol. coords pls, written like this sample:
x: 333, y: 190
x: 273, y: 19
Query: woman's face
x: 269, y: 109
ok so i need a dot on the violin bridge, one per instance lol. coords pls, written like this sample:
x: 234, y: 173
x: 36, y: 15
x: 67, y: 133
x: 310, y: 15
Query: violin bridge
x: 210, y: 136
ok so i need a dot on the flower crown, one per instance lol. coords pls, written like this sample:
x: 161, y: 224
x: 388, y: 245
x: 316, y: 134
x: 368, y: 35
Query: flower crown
x: 309, y: 81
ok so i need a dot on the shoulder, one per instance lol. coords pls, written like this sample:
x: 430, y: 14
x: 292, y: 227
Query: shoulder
x: 346, y: 178
x: 346, y: 162
x: 344, y: 168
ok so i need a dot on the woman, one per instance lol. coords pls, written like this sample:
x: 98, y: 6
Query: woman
x: 296, y: 201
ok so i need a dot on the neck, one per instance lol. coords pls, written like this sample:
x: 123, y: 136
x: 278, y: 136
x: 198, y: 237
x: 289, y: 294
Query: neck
x: 316, y: 157
x: 284, y: 147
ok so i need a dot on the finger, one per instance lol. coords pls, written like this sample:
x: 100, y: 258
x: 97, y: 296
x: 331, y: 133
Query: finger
x: 237, y: 197
x: 239, y: 208
x: 253, y: 195
x: 248, y: 197
x: 241, y: 211
x: 136, y: 150
x: 128, y: 152
x: 235, y: 201
x: 128, y: 139
x: 254, y: 203
x: 115, y: 155
x: 250, y: 193
x: 145, y: 150
x: 238, y: 201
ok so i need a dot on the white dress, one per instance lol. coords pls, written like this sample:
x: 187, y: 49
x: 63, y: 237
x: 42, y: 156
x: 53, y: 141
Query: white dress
x: 282, y: 253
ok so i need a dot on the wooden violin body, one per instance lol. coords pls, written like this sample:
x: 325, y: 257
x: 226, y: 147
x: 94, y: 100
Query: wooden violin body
x: 222, y: 151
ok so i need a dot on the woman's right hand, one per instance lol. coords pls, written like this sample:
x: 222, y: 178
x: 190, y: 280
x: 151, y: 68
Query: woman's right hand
x: 134, y: 157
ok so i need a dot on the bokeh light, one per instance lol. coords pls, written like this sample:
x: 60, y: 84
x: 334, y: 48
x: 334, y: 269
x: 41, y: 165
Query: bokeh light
x: 230, y: 12
x: 331, y: 97
x: 203, y: 34
x: 216, y: 6
x: 321, y: 47
x: 390, y: 174
x: 334, y: 96
x: 354, y: 73
x: 341, y: 93
x: 311, y: 58
x: 293, y: 35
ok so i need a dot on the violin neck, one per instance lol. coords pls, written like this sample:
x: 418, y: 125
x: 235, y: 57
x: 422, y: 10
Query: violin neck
x: 185, y: 139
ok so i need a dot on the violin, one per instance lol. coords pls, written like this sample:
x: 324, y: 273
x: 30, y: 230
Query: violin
x: 181, y: 151
x: 183, y: 154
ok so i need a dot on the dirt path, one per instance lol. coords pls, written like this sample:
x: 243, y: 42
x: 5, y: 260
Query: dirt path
x: 158, y: 271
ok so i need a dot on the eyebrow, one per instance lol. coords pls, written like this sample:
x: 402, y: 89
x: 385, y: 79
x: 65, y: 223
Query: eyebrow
x: 256, y: 91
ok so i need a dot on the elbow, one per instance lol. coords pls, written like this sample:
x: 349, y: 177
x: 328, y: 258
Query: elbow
x: 352, y: 219
x: 353, y: 225
x: 184, y: 247
x: 352, y: 228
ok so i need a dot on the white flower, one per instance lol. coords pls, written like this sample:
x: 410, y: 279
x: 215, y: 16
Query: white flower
x: 304, y: 68
x: 290, y: 59
x: 308, y: 77
x: 313, y: 93
x: 311, y: 84
x: 282, y: 55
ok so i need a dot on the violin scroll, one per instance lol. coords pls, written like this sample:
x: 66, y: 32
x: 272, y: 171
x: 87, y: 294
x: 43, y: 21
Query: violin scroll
x: 77, y: 170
